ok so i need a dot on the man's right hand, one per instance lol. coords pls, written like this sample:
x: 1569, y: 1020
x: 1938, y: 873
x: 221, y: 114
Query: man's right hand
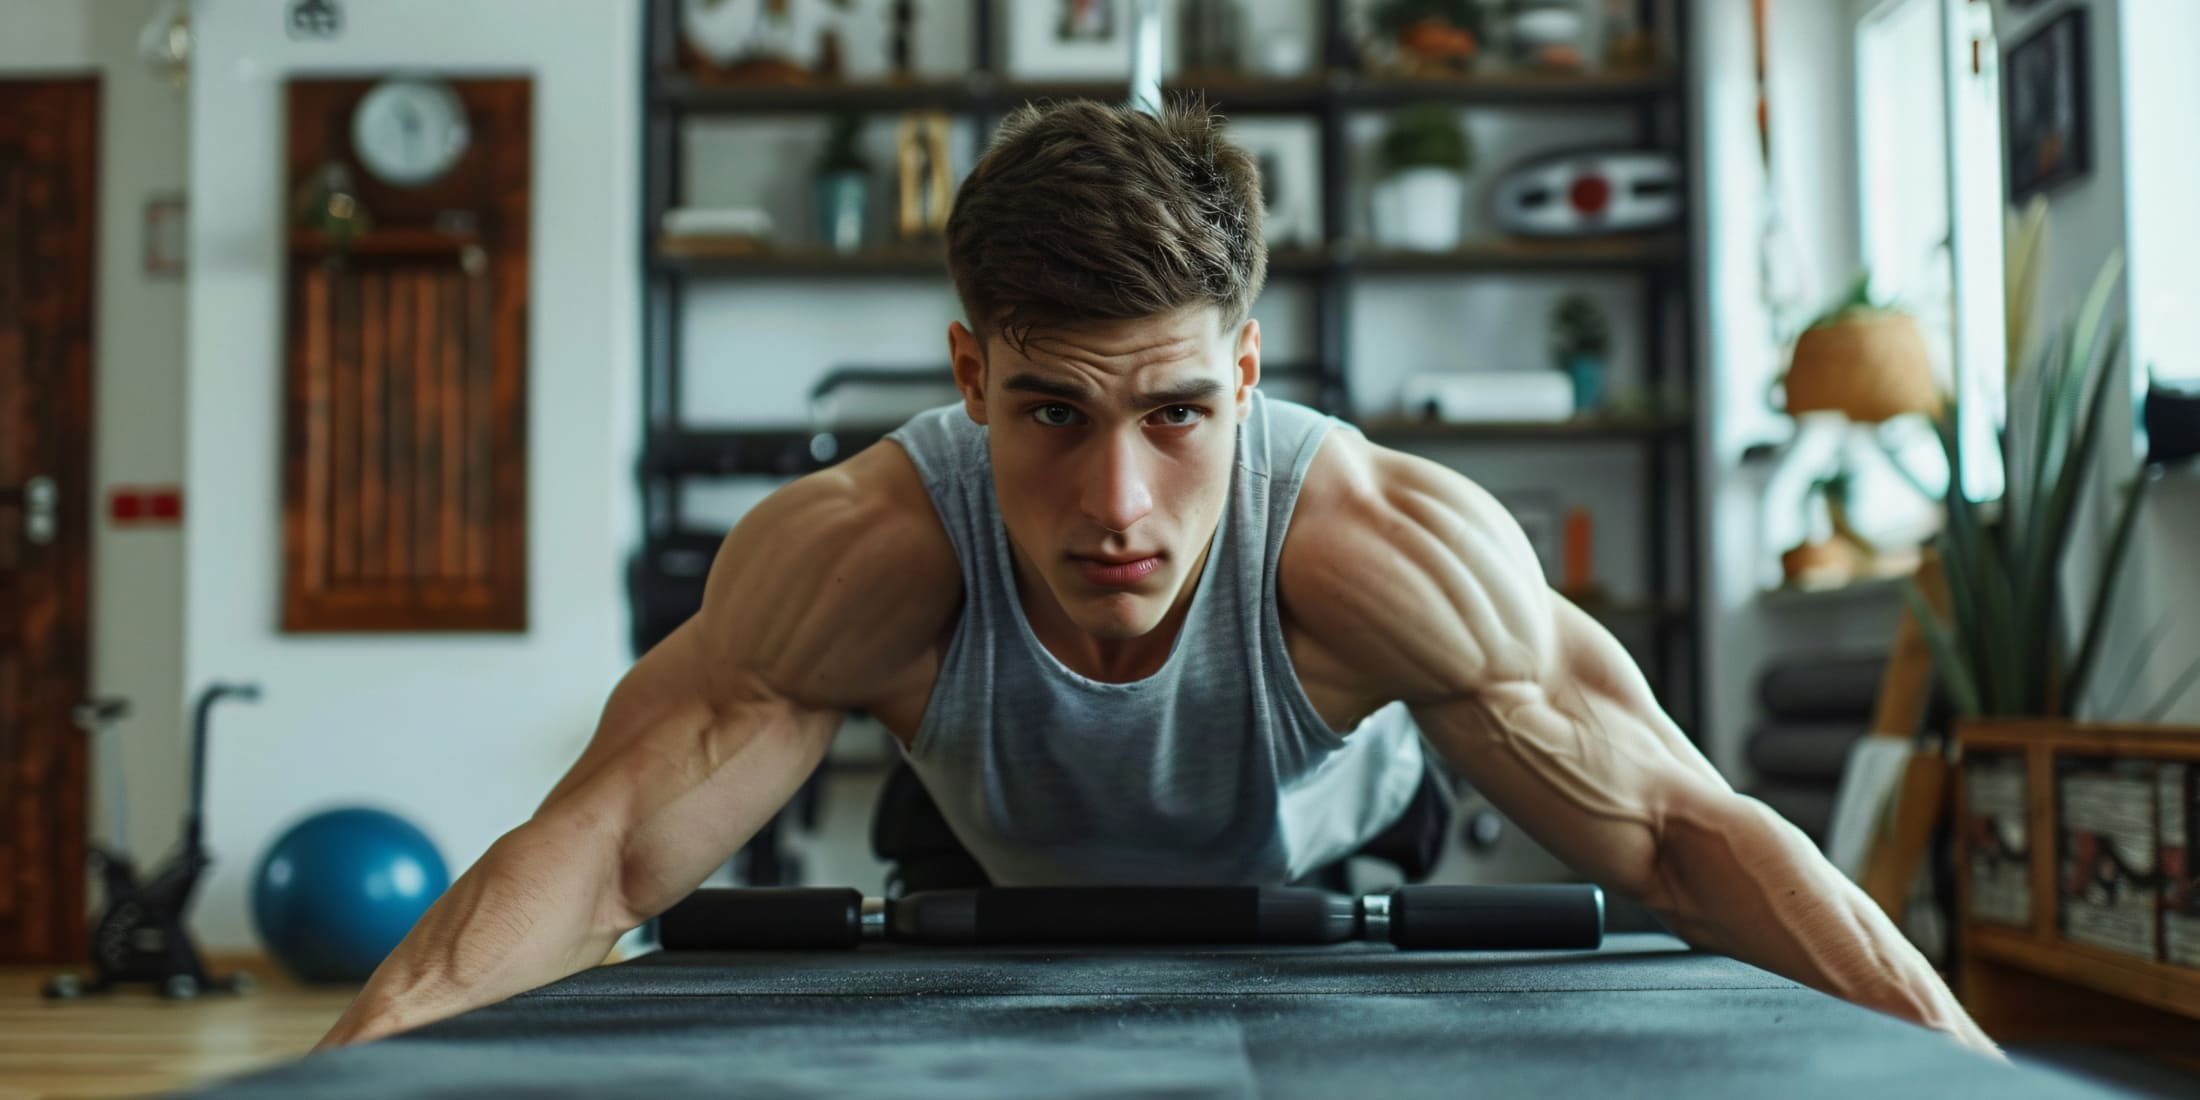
x: 837, y: 584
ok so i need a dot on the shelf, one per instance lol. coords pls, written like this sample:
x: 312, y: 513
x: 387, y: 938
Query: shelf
x: 402, y: 241
x: 1401, y: 429
x: 1613, y: 613
x: 1518, y: 87
x: 1502, y: 256
x: 1228, y: 92
x: 761, y: 452
x: 2159, y: 985
x: 739, y: 258
x: 679, y: 90
x: 1870, y: 590
x: 736, y: 257
x: 1299, y: 261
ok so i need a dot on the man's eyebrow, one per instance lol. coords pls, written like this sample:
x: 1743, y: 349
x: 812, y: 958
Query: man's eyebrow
x: 1204, y: 389
x: 1047, y: 387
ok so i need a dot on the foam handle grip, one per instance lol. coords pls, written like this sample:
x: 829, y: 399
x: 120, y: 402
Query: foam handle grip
x: 1498, y: 918
x: 748, y: 919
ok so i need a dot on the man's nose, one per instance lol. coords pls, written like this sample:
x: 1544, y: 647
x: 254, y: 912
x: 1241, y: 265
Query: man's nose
x: 1117, y: 492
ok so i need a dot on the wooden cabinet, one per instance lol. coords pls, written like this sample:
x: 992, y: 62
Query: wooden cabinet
x: 405, y: 471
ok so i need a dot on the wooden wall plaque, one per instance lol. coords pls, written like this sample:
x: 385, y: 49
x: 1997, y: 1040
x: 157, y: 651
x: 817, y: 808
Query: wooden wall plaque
x: 405, y: 412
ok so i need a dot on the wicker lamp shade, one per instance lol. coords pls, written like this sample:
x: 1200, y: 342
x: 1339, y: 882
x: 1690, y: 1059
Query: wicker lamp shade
x: 1867, y: 366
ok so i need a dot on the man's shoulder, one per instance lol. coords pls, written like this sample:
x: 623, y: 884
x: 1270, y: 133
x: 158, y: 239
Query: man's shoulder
x: 1390, y: 557
x: 1356, y: 491
x: 884, y: 517
x: 1333, y: 539
x: 837, y: 582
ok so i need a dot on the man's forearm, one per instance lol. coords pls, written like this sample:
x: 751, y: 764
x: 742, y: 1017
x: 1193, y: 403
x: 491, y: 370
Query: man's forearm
x: 1743, y: 882
x: 530, y: 911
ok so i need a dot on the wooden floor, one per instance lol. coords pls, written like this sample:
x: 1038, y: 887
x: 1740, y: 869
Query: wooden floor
x: 133, y: 1043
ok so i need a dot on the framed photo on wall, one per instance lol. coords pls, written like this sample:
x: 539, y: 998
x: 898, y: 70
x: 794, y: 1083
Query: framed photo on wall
x: 165, y: 234
x: 1289, y: 154
x: 2049, y: 107
x: 1069, y: 39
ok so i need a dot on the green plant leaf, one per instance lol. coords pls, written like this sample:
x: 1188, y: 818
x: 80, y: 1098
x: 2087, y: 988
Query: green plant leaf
x: 2072, y: 475
x: 2047, y: 433
x: 2026, y: 254
x: 2015, y: 682
x: 1426, y: 135
x: 2069, y: 479
x: 2116, y: 699
x: 2074, y: 359
x: 2051, y: 416
x: 2095, y: 305
x: 1947, y: 658
x: 1960, y: 562
x: 2176, y: 692
x: 2104, y: 590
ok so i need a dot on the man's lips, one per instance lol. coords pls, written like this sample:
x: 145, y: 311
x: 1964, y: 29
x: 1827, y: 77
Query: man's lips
x: 1115, y: 571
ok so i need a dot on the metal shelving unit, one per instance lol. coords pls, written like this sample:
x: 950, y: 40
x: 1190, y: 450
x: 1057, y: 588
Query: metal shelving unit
x: 1655, y: 99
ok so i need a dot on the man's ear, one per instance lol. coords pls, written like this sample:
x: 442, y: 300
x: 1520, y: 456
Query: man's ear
x: 1248, y: 364
x: 967, y: 356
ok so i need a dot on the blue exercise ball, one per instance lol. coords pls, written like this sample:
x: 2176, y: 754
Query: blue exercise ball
x: 335, y: 893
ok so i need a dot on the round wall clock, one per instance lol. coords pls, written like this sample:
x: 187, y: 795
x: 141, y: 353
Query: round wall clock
x: 409, y: 132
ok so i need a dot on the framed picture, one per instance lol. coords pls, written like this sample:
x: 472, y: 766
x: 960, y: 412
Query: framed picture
x: 1069, y: 39
x: 2050, y: 110
x: 1543, y: 520
x: 165, y: 233
x: 1289, y: 154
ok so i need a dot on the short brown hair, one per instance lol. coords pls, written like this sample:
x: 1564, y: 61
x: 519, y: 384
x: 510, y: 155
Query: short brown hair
x: 1088, y: 211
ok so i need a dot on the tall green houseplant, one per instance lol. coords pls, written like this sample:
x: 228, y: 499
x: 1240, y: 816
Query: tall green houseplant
x: 1999, y: 648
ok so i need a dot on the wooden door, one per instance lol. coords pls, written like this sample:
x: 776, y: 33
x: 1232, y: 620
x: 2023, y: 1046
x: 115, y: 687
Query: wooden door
x: 48, y: 134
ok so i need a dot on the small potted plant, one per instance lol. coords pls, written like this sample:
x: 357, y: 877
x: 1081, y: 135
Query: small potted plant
x: 1581, y: 338
x: 843, y: 182
x: 1425, y: 156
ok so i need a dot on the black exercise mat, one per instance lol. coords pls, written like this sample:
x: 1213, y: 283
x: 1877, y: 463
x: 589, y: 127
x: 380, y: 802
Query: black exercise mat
x: 1642, y: 1018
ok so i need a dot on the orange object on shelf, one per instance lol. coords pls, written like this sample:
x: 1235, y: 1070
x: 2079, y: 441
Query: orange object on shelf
x: 1579, y: 574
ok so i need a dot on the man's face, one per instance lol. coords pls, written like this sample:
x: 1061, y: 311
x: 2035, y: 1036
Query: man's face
x: 1112, y: 446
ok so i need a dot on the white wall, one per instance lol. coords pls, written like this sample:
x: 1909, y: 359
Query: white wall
x: 137, y: 573
x: 44, y: 37
x: 461, y: 734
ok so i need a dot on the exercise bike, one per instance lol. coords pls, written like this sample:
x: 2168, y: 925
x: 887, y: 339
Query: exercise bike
x: 140, y: 937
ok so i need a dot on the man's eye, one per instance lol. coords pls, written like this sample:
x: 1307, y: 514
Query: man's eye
x: 1181, y: 416
x: 1055, y: 416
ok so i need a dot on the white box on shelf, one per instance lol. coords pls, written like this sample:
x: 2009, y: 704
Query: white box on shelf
x: 1482, y: 397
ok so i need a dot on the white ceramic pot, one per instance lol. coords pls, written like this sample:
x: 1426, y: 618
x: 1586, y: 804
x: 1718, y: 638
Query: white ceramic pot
x: 1419, y: 209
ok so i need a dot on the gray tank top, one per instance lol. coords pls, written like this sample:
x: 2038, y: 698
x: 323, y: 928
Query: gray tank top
x: 1216, y: 769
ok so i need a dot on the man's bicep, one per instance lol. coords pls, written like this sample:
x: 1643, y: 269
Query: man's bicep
x: 1580, y: 756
